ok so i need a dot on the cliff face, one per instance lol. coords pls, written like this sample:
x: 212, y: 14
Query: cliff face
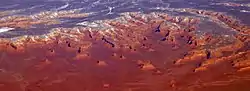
x: 133, y: 52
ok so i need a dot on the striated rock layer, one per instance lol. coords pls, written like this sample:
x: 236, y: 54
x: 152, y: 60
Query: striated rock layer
x: 134, y: 52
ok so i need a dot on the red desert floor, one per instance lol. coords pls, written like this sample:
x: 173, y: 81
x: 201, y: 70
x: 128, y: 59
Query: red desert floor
x: 134, y: 52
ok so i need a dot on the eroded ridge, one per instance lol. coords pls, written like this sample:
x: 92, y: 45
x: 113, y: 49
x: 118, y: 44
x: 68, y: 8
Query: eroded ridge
x: 134, y: 52
x: 42, y: 18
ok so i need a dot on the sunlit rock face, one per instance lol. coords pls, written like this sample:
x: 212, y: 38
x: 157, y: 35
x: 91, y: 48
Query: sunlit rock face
x: 156, y: 51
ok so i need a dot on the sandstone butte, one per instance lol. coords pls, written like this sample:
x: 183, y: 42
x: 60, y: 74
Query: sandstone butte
x: 133, y: 52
